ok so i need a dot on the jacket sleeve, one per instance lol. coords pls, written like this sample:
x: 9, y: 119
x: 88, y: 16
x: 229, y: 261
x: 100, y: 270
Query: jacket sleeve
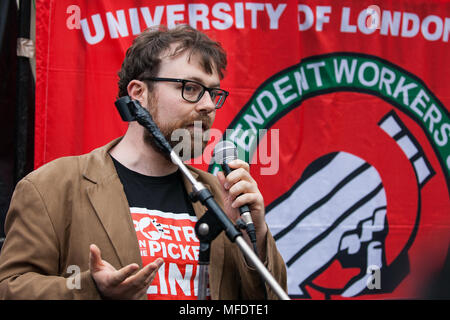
x: 251, y: 287
x: 29, y: 260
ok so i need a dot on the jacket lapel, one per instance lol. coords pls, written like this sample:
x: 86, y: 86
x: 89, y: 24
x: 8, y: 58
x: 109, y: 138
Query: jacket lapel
x: 108, y: 199
x: 111, y: 207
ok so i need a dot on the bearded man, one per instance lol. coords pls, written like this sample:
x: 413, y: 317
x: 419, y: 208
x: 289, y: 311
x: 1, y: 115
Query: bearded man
x: 119, y: 219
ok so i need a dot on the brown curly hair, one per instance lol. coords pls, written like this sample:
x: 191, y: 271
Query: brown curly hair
x: 142, y: 59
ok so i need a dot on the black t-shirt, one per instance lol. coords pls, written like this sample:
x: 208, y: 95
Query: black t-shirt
x: 164, y: 221
x: 166, y: 193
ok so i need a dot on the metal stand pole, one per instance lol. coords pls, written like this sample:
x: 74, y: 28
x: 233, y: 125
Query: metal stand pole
x: 203, y: 263
x: 203, y: 281
x: 207, y: 229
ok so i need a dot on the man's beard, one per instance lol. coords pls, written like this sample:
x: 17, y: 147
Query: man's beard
x: 186, y: 150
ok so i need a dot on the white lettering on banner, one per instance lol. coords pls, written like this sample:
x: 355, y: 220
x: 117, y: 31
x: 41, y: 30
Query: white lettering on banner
x: 309, y: 17
x: 402, y: 24
x: 322, y: 16
x: 220, y: 16
x: 390, y: 23
x: 369, y: 74
x: 301, y: 81
x: 134, y: 20
x: 316, y: 66
x: 281, y: 92
x: 362, y: 69
x: 396, y: 23
x: 199, y: 13
x: 174, y: 14
x: 118, y: 26
x: 225, y: 20
x: 99, y: 30
x: 386, y: 79
x: 339, y: 71
x: 157, y: 15
x: 255, y: 118
x: 271, y: 102
x: 345, y: 26
x: 252, y: 15
x: 275, y: 14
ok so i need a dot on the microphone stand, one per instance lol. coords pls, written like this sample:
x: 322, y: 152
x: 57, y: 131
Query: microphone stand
x: 215, y: 220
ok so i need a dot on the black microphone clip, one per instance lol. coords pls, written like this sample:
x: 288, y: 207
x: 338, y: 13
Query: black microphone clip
x: 131, y: 110
x: 126, y: 108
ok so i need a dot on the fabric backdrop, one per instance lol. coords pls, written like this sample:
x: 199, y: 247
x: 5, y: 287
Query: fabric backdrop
x: 341, y: 107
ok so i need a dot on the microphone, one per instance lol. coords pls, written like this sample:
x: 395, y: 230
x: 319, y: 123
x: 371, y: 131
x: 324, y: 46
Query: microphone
x: 225, y: 152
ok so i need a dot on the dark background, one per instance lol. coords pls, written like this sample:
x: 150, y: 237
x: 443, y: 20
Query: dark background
x: 16, y: 103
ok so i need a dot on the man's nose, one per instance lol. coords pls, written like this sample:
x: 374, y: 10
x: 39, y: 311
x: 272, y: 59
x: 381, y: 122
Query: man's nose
x: 206, y: 104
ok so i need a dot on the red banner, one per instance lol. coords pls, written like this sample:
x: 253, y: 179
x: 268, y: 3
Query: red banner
x: 341, y: 107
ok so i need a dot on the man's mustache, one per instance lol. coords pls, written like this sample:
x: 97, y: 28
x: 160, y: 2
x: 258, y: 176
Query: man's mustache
x: 204, y: 123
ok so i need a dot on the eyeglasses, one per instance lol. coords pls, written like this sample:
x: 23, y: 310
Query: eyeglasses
x: 193, y: 91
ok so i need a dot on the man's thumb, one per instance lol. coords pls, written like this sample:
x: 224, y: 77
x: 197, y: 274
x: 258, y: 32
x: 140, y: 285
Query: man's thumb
x: 95, y: 258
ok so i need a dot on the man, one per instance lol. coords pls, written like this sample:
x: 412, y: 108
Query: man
x: 120, y: 215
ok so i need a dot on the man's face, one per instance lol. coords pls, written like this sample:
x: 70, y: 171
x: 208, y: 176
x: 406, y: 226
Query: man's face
x: 171, y: 112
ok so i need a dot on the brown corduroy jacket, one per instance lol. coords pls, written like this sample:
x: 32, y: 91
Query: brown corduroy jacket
x: 58, y: 210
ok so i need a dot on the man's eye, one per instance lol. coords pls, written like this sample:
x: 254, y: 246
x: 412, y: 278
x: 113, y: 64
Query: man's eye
x: 192, y: 88
x: 188, y: 88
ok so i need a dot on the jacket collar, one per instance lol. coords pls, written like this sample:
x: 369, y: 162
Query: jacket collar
x: 99, y: 166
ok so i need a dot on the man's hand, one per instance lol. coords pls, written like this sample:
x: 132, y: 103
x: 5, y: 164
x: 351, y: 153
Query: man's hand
x: 125, y: 283
x: 239, y: 188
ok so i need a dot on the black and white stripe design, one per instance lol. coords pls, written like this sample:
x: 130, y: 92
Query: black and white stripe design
x: 339, y: 206
x: 321, y: 214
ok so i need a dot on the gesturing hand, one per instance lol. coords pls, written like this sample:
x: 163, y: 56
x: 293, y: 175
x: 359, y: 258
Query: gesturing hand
x: 125, y: 283
x: 238, y: 189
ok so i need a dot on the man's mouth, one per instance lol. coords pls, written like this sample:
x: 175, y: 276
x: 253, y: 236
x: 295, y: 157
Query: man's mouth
x: 198, y: 125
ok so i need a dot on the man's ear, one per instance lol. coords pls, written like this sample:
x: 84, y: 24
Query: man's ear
x: 137, y: 90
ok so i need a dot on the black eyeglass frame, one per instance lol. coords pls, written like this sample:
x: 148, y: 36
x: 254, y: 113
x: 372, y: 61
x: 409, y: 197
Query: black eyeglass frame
x: 219, y: 104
